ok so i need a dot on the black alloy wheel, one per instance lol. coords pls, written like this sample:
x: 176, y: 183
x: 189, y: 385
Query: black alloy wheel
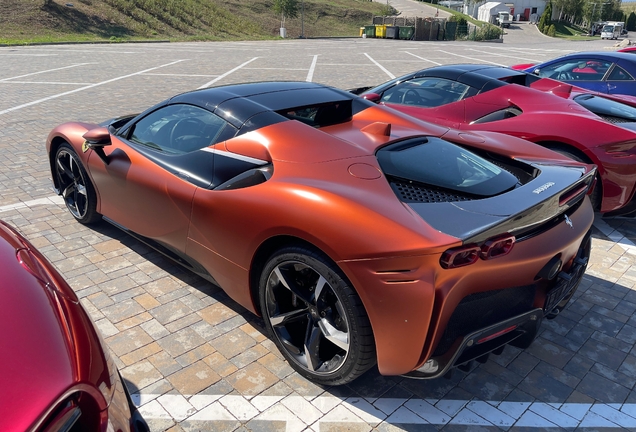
x: 316, y: 319
x: 74, y: 185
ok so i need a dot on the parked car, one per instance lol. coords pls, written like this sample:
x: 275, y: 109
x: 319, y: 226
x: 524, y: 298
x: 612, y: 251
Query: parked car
x: 583, y: 125
x: 57, y: 375
x: 605, y: 72
x: 360, y: 234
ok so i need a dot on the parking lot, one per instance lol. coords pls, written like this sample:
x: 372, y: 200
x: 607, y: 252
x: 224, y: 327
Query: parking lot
x: 195, y: 360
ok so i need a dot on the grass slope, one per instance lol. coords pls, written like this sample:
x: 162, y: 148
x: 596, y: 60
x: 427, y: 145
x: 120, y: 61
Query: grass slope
x: 29, y: 21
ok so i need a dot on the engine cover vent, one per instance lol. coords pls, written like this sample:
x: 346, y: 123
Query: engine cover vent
x: 411, y: 192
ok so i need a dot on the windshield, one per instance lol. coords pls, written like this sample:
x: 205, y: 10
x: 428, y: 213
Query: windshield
x: 436, y: 162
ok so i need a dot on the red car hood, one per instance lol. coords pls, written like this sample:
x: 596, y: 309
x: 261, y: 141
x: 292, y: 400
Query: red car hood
x: 36, y: 360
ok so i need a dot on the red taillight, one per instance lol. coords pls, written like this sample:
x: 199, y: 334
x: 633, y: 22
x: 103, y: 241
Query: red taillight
x: 459, y: 257
x: 592, y: 186
x: 465, y: 255
x: 567, y: 197
x: 497, y: 247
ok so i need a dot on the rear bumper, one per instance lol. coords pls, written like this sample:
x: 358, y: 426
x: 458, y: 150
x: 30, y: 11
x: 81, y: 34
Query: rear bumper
x: 519, y: 330
x: 478, y: 344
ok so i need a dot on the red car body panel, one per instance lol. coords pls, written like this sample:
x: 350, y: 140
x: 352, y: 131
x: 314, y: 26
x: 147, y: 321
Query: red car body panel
x: 327, y: 189
x: 51, y: 350
x: 542, y: 122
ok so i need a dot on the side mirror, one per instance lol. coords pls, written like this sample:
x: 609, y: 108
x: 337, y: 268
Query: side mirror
x: 536, y: 72
x: 372, y: 97
x: 96, y: 139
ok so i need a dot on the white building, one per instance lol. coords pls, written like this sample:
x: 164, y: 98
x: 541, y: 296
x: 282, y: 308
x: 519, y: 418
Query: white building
x: 519, y: 9
x: 489, y: 10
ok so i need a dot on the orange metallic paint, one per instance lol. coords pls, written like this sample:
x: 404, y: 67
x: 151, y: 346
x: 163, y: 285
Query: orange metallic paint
x: 388, y: 252
x: 141, y: 196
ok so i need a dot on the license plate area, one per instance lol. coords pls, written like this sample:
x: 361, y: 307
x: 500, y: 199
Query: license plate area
x: 566, y: 282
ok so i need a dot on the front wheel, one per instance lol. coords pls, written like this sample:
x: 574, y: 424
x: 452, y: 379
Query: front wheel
x: 315, y: 317
x: 75, y: 187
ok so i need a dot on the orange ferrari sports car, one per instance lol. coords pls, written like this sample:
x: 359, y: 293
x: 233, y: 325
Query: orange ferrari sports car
x: 359, y: 234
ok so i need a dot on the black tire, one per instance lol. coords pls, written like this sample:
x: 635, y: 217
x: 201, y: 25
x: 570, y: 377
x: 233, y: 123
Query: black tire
x: 74, y: 185
x: 597, y: 195
x: 326, y: 337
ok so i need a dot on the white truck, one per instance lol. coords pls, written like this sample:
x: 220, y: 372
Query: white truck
x: 612, y: 30
x: 504, y: 19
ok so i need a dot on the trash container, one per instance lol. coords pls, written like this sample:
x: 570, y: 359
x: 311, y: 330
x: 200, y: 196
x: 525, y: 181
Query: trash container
x: 392, y: 32
x: 369, y: 31
x: 380, y: 30
x: 361, y: 31
x: 407, y: 32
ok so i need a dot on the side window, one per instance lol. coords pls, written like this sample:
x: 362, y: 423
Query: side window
x: 177, y: 129
x: 619, y: 74
x: 576, y: 70
x: 426, y: 92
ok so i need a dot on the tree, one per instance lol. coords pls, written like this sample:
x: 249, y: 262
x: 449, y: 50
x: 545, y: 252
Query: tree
x: 631, y: 22
x: 546, y: 18
x: 286, y: 8
x: 569, y: 10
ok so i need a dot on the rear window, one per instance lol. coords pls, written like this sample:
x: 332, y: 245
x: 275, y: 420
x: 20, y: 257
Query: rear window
x: 606, y: 107
x: 433, y: 161
x: 321, y: 115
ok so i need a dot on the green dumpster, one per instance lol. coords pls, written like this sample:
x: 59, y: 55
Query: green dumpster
x: 392, y: 32
x: 406, y: 32
x: 369, y: 31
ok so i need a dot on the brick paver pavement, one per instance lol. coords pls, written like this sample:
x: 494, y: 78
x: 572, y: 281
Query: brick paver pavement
x: 195, y: 360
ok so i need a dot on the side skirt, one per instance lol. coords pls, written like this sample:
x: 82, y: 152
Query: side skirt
x: 175, y: 255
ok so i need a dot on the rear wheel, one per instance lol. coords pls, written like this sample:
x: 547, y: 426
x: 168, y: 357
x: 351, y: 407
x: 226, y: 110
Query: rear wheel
x: 597, y: 195
x: 315, y: 317
x: 75, y: 187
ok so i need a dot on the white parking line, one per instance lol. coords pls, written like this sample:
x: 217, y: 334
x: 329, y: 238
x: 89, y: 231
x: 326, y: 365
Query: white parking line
x: 471, y: 58
x: 422, y: 58
x: 380, y: 66
x: 326, y: 409
x: 44, y: 71
x: 614, y: 235
x: 508, y: 56
x: 42, y: 82
x: 26, y: 55
x: 28, y: 104
x: 182, y: 75
x: 310, y: 74
x: 51, y: 200
x: 220, y: 77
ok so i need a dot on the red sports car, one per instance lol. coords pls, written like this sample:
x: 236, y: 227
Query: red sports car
x: 56, y: 373
x: 579, y: 123
x: 360, y: 234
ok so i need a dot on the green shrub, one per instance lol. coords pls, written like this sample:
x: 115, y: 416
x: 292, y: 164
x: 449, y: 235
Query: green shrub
x: 462, y: 27
x: 485, y: 32
x: 551, y: 31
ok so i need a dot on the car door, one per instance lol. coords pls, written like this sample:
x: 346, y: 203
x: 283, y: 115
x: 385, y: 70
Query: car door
x: 154, y: 167
x: 585, y: 71
x: 619, y: 81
